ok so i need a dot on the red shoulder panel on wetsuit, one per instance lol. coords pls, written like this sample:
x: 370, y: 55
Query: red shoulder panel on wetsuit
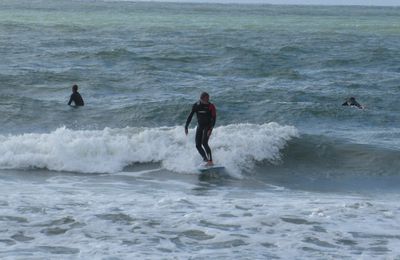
x: 213, y: 110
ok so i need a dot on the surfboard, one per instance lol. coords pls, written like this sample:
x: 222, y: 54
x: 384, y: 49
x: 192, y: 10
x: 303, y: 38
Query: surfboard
x: 208, y: 173
x: 214, y: 168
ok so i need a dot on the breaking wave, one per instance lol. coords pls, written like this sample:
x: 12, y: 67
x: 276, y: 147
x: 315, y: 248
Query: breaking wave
x: 236, y: 146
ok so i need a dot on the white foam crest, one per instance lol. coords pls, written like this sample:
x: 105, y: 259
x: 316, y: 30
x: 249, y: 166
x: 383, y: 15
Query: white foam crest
x: 237, y: 147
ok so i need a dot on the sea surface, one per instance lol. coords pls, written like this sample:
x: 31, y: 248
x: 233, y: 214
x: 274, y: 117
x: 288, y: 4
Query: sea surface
x: 305, y: 177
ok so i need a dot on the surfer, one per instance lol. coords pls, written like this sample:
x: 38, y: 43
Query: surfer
x: 206, y: 118
x: 76, y: 97
x: 352, y: 102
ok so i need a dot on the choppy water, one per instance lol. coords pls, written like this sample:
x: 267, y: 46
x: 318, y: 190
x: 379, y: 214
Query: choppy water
x: 305, y: 177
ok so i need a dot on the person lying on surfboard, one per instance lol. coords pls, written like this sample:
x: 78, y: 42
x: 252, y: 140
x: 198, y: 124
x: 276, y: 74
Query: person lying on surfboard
x: 206, y: 118
x: 353, y: 103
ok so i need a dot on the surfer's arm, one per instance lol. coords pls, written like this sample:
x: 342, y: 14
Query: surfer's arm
x: 70, y: 100
x: 213, y: 119
x: 189, y: 119
x: 358, y: 105
x: 213, y: 115
x: 83, y: 102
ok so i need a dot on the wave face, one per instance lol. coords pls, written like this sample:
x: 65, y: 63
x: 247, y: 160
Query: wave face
x: 315, y: 162
x: 237, y: 146
x: 310, y: 154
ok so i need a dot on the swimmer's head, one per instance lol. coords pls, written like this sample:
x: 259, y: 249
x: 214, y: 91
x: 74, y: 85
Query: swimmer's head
x: 205, y: 97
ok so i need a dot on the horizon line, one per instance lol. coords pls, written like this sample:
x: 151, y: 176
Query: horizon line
x: 255, y: 3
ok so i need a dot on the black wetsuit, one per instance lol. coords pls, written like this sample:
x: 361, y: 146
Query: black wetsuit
x: 77, y: 98
x: 352, y: 103
x: 206, y: 118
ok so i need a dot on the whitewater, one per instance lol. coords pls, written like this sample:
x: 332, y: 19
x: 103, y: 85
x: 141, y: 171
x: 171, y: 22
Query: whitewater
x: 304, y: 178
x: 238, y: 147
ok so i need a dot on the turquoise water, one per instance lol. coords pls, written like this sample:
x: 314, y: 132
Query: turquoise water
x: 307, y: 178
